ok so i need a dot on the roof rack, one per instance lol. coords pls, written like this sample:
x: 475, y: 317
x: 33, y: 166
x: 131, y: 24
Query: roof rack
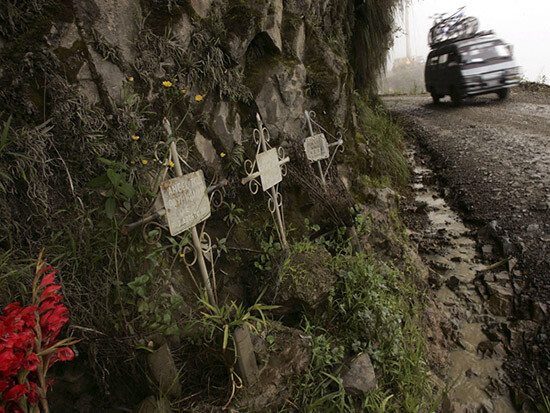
x: 458, y: 39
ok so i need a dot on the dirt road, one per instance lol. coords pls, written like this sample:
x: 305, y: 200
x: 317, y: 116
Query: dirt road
x: 493, y: 159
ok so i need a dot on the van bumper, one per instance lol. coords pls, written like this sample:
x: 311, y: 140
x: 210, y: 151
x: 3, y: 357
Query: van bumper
x: 478, y: 85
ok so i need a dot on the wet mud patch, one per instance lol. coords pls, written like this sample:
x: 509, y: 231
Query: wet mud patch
x: 473, y: 348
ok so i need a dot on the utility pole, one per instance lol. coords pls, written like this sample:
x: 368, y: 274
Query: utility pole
x: 407, y: 33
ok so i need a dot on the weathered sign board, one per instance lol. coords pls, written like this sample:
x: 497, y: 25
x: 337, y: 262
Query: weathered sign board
x: 316, y: 147
x: 186, y: 201
x: 269, y: 168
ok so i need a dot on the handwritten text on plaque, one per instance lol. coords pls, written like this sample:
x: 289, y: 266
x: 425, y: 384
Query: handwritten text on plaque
x: 316, y: 147
x: 186, y: 201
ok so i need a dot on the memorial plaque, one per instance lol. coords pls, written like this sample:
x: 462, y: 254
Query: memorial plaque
x: 316, y: 147
x: 186, y: 201
x: 269, y: 168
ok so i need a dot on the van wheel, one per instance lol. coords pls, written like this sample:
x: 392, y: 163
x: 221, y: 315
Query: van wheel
x: 503, y: 93
x: 435, y: 98
x: 456, y: 97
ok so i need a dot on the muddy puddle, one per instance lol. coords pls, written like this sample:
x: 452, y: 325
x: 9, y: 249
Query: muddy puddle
x: 448, y: 247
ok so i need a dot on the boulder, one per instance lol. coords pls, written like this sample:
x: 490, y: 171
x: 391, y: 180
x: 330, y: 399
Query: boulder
x: 359, y: 378
x: 68, y: 34
x: 304, y: 279
x: 272, y: 23
x: 207, y: 150
x: 111, y: 75
x: 86, y: 84
x: 299, y: 42
x: 201, y: 7
x: 381, y: 198
x: 281, y: 99
x: 226, y: 125
x: 116, y: 24
x: 182, y: 30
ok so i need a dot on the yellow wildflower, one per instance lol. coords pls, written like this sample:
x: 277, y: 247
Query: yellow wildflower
x: 135, y: 137
x: 144, y: 161
x: 182, y: 255
x: 167, y: 83
x: 183, y: 91
x: 198, y: 98
x: 171, y: 164
x: 131, y: 78
x: 222, y: 154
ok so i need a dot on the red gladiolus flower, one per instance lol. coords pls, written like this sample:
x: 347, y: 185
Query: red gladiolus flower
x: 31, y: 362
x: 49, y: 292
x: 48, y: 305
x: 10, y: 362
x: 20, y: 347
x: 65, y: 354
x: 15, y: 393
x: 10, y: 307
x: 46, y: 269
x: 48, y: 279
x: 32, y: 395
x: 4, y: 385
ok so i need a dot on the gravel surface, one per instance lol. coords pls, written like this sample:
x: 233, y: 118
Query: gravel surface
x: 493, y: 158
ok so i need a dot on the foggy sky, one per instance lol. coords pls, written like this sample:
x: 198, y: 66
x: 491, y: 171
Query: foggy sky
x: 525, y: 24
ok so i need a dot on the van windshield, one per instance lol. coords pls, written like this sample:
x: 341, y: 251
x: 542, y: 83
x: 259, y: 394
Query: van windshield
x: 485, y: 52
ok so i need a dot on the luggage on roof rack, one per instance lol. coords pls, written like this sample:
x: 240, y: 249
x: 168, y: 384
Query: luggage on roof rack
x: 452, y: 28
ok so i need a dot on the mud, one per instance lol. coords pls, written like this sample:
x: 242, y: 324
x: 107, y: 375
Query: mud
x: 492, y: 161
x: 477, y: 381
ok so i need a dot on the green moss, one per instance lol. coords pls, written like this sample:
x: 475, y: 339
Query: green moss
x: 259, y: 71
x: 241, y: 19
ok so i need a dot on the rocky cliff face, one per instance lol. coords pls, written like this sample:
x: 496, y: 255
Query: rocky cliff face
x: 85, y: 84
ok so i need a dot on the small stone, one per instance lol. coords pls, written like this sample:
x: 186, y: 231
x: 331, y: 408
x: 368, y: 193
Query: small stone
x: 487, y: 250
x: 540, y: 311
x: 500, y: 299
x: 533, y: 227
x: 360, y: 378
x: 502, y: 277
x: 452, y: 283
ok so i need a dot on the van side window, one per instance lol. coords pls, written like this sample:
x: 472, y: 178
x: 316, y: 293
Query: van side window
x: 443, y: 59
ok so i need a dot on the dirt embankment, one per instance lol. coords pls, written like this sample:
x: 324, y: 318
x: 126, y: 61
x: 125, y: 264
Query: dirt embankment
x: 493, y: 158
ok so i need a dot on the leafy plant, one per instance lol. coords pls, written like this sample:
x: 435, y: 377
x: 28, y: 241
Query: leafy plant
x: 372, y: 309
x: 233, y: 216
x: 115, y: 187
x: 218, y: 324
x: 269, y: 249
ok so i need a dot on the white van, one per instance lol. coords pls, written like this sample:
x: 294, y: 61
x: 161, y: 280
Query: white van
x: 474, y: 66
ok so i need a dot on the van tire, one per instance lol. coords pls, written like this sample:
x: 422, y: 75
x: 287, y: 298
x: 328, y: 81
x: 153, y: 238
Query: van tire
x: 503, y: 93
x: 456, y: 97
x: 435, y: 98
